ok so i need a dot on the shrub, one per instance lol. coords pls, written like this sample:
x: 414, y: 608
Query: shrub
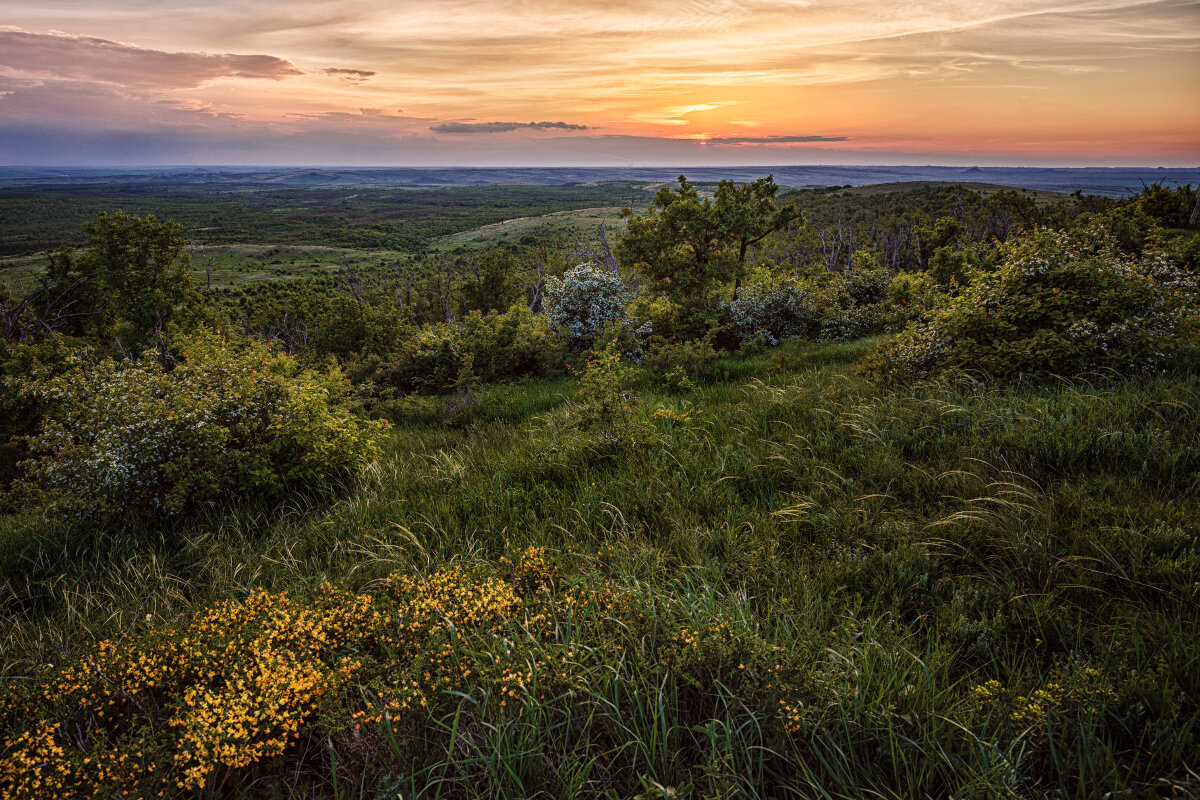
x: 912, y: 296
x: 20, y: 412
x: 1061, y: 303
x: 657, y: 315
x: 585, y: 298
x: 775, y: 307
x: 826, y: 305
x: 676, y: 364
x: 516, y: 344
x: 864, y: 281
x: 130, y: 438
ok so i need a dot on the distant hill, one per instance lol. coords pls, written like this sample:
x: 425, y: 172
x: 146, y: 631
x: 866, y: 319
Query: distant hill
x: 1107, y: 181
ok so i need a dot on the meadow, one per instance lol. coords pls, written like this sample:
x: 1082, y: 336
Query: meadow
x: 796, y: 584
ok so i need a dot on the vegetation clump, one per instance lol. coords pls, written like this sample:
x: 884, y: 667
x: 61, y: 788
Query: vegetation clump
x: 227, y: 420
x: 1059, y: 303
x: 204, y: 702
x: 584, y: 300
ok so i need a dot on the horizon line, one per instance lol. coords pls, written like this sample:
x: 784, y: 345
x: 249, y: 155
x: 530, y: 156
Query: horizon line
x: 595, y: 167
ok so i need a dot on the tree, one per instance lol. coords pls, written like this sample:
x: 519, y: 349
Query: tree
x: 133, y: 279
x: 687, y: 244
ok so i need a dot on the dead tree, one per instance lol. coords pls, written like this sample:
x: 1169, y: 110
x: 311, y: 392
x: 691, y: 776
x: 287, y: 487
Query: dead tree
x: 602, y: 255
x: 39, y: 314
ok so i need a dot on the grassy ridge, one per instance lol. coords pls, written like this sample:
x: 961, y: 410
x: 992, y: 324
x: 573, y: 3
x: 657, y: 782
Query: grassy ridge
x: 813, y: 587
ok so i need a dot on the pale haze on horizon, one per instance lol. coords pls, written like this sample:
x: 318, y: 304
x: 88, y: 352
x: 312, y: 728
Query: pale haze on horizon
x: 550, y: 82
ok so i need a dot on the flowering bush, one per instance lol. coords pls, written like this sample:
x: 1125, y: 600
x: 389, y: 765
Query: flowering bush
x: 225, y: 696
x: 244, y: 420
x: 584, y: 299
x: 830, y: 305
x: 777, y: 307
x: 1060, y: 303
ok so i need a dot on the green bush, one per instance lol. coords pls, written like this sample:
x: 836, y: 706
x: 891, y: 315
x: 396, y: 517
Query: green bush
x: 775, y: 306
x: 778, y: 306
x: 431, y: 358
x: 1060, y: 303
x: 912, y: 296
x: 20, y: 412
x: 133, y: 439
x: 677, y: 364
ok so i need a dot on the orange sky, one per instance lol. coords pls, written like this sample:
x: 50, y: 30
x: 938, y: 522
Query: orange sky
x: 612, y: 83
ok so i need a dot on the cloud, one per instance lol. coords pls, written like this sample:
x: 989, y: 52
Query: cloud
x: 354, y: 76
x: 85, y: 58
x: 502, y: 127
x: 772, y: 139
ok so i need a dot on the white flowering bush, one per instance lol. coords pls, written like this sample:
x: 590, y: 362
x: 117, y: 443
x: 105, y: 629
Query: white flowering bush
x: 773, y: 308
x: 227, y: 422
x: 586, y: 298
x: 1060, y: 303
x: 834, y: 305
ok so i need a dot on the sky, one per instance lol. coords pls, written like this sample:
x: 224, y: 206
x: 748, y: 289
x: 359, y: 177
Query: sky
x: 607, y: 83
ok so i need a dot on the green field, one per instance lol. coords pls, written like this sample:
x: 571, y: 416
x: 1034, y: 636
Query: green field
x: 796, y: 584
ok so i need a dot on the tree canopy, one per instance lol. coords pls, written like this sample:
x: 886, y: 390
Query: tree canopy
x: 687, y: 243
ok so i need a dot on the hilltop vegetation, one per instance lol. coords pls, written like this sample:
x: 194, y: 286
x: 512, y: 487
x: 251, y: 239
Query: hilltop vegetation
x: 877, y: 495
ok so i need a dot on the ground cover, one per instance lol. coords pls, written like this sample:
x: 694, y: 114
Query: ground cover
x: 790, y: 581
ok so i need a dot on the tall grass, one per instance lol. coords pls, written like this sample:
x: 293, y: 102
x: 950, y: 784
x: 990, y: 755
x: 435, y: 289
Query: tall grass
x: 890, y: 552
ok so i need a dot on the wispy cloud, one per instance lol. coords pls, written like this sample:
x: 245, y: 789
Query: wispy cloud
x: 502, y: 127
x: 85, y: 58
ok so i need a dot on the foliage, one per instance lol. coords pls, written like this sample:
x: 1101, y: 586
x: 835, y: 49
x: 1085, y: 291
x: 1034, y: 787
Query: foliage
x: 238, y: 685
x: 943, y: 234
x: 606, y: 404
x: 687, y: 244
x: 776, y: 306
x: 1170, y: 208
x: 779, y: 306
x: 133, y: 279
x: 430, y: 358
x: 817, y: 586
x: 230, y: 420
x: 678, y: 364
x: 21, y: 412
x: 911, y: 296
x: 1060, y: 303
x: 584, y: 300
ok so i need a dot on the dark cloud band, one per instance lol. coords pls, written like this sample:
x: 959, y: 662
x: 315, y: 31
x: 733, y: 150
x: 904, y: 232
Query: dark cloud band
x: 350, y: 75
x: 502, y: 127
x: 773, y: 139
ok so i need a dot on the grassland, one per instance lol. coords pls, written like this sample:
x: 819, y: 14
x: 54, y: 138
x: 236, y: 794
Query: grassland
x: 797, y: 584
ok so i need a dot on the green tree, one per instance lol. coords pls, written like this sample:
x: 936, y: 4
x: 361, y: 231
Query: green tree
x: 133, y: 279
x: 687, y: 245
x: 490, y: 282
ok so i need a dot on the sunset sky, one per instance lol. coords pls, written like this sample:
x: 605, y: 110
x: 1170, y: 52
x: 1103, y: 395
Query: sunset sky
x: 613, y: 83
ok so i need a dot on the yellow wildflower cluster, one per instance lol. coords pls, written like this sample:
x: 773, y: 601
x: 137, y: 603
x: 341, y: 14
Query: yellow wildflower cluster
x: 791, y: 714
x: 671, y: 415
x: 1087, y: 690
x: 704, y: 642
x: 1034, y: 707
x: 183, y: 706
x: 987, y: 691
